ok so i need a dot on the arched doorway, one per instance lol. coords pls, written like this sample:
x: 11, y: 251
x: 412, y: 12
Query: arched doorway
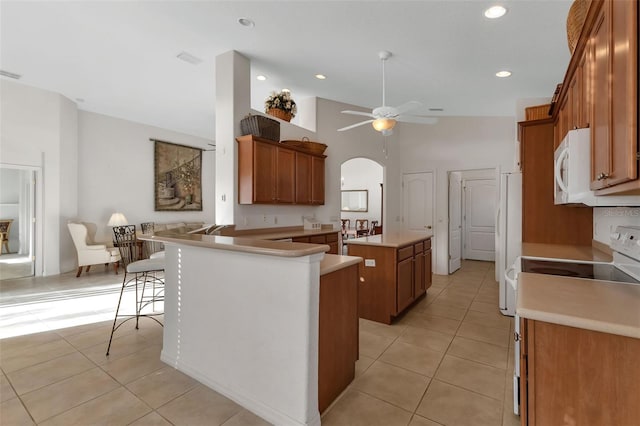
x: 361, y: 180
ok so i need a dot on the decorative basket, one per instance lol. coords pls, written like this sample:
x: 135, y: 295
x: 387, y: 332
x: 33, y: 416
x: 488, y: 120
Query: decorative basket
x: 537, y: 112
x: 307, y: 145
x: 261, y: 126
x: 575, y: 22
x: 281, y: 114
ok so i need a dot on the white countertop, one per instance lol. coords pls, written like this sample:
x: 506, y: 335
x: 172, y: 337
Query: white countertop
x: 604, y: 306
x: 390, y: 239
x: 333, y: 262
x: 243, y: 244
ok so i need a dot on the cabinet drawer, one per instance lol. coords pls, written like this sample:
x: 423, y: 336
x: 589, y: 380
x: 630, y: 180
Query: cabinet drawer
x: 318, y: 239
x: 427, y: 244
x: 405, y: 253
x: 332, y: 237
x: 418, y: 247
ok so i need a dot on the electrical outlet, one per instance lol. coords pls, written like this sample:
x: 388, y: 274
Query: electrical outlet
x: 246, y: 221
x: 264, y: 218
x: 371, y: 263
x: 275, y: 220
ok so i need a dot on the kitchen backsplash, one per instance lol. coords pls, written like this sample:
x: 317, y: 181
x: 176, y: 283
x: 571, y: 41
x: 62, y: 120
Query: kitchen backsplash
x: 605, y: 220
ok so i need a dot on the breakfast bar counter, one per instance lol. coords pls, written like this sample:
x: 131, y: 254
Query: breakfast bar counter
x: 242, y: 316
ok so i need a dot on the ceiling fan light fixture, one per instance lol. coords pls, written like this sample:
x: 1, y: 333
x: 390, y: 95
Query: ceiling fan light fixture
x: 382, y: 124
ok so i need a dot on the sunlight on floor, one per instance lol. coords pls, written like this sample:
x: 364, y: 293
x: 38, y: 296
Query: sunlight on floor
x: 33, y: 305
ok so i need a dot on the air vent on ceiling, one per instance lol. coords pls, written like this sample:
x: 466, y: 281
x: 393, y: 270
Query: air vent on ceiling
x: 188, y: 57
x: 10, y: 74
x: 436, y: 109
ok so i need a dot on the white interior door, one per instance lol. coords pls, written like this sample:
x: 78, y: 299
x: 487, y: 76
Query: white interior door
x: 479, y: 220
x: 455, y: 221
x: 417, y: 195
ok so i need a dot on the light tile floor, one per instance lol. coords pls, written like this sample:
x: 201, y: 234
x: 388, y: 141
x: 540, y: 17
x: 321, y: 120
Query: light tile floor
x: 448, y: 361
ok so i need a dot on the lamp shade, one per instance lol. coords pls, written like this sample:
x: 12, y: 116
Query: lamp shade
x: 117, y: 219
x: 381, y: 124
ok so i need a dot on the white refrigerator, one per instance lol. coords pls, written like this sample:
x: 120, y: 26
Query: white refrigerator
x: 508, y: 236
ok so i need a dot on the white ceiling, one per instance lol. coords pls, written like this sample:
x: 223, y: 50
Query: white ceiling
x: 120, y: 56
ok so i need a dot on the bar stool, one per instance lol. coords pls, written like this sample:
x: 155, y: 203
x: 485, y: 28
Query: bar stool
x: 139, y: 274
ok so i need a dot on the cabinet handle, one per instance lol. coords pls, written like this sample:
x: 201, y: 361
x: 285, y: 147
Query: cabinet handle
x: 603, y: 176
x: 516, y: 337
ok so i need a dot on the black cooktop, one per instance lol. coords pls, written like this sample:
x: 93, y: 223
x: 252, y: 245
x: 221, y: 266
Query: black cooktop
x: 598, y: 271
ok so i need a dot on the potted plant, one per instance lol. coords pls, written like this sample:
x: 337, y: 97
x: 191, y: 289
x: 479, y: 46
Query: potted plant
x: 280, y: 105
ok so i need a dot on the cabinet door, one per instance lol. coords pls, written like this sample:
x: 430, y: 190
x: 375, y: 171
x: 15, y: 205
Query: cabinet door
x: 264, y: 160
x: 285, y: 182
x: 317, y: 180
x: 303, y: 178
x: 624, y: 92
x: 600, y: 141
x: 405, y: 284
x: 427, y: 269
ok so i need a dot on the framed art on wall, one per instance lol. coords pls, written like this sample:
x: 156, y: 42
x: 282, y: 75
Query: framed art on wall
x: 178, y: 177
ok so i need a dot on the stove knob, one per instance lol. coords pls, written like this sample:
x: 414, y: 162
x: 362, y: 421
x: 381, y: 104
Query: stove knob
x: 615, y: 236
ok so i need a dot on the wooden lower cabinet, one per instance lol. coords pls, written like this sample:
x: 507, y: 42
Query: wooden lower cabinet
x: 401, y: 275
x: 330, y: 239
x: 338, y: 333
x: 573, y: 376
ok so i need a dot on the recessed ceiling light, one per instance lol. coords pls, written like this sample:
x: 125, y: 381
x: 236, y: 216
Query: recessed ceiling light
x: 286, y: 90
x: 321, y: 76
x: 246, y: 22
x: 10, y: 74
x: 495, y: 12
x: 503, y: 74
x: 261, y: 77
x: 188, y: 57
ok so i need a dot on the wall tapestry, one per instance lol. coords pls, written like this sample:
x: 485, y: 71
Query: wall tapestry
x: 178, y: 177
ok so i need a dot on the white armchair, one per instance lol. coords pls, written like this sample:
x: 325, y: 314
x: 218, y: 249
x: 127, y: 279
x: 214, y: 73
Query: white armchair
x: 90, y: 253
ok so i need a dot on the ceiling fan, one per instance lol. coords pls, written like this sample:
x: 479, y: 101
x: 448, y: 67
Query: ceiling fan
x: 384, y: 117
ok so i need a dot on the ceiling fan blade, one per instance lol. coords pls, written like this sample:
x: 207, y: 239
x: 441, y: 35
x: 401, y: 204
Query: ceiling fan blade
x: 355, y: 125
x: 408, y: 106
x: 417, y: 119
x: 365, y: 114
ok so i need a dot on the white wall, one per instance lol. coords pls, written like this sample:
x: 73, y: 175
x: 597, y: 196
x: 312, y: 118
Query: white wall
x: 37, y: 130
x: 116, y: 173
x: 358, y: 174
x: 454, y: 143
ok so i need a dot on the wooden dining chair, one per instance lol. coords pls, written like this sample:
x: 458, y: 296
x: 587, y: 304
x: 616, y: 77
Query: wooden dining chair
x: 362, y: 227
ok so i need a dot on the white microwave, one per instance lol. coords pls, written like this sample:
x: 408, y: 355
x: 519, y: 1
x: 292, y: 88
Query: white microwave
x: 572, y: 174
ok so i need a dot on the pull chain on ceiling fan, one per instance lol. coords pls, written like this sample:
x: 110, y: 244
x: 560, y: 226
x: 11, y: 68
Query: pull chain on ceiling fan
x: 384, y: 118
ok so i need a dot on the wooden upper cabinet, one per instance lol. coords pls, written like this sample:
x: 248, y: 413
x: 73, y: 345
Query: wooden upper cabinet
x: 303, y: 178
x: 614, y: 114
x: 269, y: 173
x: 285, y: 178
x: 309, y: 179
x: 317, y: 180
x: 600, y: 143
x: 600, y: 91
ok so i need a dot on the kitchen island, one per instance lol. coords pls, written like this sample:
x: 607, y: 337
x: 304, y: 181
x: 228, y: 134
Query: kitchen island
x: 579, y: 344
x: 242, y: 316
x: 396, y: 273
